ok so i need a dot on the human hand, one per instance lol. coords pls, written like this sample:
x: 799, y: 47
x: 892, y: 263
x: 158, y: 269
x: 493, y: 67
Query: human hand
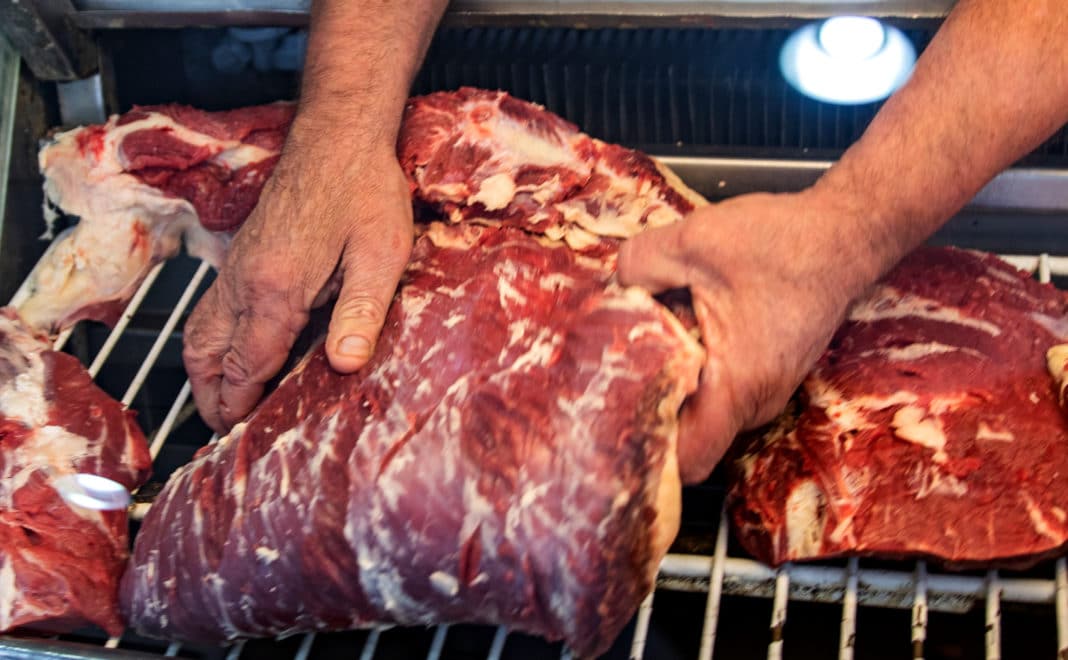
x: 327, y: 213
x: 771, y: 277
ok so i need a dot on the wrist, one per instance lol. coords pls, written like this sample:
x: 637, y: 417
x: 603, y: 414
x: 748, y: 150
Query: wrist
x: 842, y: 230
x: 341, y: 136
x: 867, y: 232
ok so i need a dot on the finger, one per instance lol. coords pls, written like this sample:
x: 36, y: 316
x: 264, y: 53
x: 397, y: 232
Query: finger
x: 370, y: 275
x: 708, y: 424
x: 263, y: 336
x: 654, y: 259
x: 205, y: 339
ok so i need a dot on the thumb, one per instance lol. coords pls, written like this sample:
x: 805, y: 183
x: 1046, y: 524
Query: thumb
x: 369, y: 282
x: 652, y: 259
x: 708, y: 424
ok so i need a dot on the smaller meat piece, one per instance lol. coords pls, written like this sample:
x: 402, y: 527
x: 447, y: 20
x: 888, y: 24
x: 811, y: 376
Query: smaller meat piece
x: 484, y: 156
x: 59, y: 564
x: 929, y: 428
x: 140, y: 184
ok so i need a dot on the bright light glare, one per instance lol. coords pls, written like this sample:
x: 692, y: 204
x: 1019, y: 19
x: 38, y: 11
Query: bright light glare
x: 852, y: 37
x: 847, y: 60
x: 91, y: 491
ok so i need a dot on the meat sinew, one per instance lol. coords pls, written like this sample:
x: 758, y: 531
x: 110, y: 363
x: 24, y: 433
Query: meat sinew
x: 508, y: 455
x: 139, y: 184
x: 929, y: 428
x: 59, y: 564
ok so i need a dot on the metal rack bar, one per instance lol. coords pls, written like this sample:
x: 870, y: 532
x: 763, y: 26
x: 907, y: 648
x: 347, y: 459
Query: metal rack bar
x: 438, y: 643
x: 919, y: 611
x: 885, y: 588
x: 1017, y: 188
x: 124, y: 320
x: 993, y: 616
x: 715, y: 591
x: 369, y: 645
x: 165, y: 333
x: 111, y: 14
x: 641, y: 627
x: 778, y: 612
x: 9, y: 85
x: 499, y: 638
x: 61, y: 339
x: 1062, y: 608
x: 849, y: 612
x: 305, y: 647
x: 235, y: 651
x: 1054, y: 265
x: 1044, y: 268
x: 168, y: 422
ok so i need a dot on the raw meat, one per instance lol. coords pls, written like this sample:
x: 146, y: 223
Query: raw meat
x: 59, y: 564
x: 155, y: 174
x: 929, y: 428
x: 488, y: 157
x: 139, y: 184
x: 508, y: 456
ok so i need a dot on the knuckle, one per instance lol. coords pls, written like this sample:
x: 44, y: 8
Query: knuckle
x: 380, y: 255
x: 235, y: 369
x: 362, y: 309
x: 192, y: 354
x: 689, y: 240
x: 195, y: 353
x: 260, y: 279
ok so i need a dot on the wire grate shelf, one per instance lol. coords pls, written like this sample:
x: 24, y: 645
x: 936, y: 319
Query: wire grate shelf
x: 853, y: 587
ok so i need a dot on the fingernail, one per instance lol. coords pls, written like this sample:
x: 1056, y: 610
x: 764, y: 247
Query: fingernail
x: 355, y: 346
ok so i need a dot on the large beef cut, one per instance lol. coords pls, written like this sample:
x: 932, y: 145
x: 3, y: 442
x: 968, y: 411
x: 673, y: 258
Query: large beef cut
x: 507, y: 456
x: 929, y: 428
x: 139, y: 184
x: 59, y: 564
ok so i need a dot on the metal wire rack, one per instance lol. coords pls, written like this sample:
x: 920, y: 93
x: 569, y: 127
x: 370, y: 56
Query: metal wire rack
x: 851, y: 586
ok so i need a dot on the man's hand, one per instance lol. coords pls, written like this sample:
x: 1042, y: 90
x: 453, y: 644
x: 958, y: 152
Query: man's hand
x: 768, y: 299
x: 322, y: 216
x: 336, y: 204
x: 771, y: 276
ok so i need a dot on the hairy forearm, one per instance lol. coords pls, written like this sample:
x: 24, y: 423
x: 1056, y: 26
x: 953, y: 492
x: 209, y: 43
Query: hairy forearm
x: 362, y: 57
x: 990, y: 87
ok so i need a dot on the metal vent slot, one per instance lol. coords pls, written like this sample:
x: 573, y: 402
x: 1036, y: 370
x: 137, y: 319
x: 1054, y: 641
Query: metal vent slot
x: 667, y: 90
x: 684, y: 89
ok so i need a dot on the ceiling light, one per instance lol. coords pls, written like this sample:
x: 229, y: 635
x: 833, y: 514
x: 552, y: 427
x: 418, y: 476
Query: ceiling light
x: 847, y: 60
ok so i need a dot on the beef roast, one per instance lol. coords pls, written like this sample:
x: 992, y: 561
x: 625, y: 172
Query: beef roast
x: 59, y: 564
x: 929, y: 428
x: 508, y: 455
x: 139, y: 184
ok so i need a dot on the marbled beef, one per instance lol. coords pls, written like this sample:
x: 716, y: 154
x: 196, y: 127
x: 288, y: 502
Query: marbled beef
x: 59, y: 564
x: 929, y: 428
x: 508, y: 455
x: 140, y: 184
